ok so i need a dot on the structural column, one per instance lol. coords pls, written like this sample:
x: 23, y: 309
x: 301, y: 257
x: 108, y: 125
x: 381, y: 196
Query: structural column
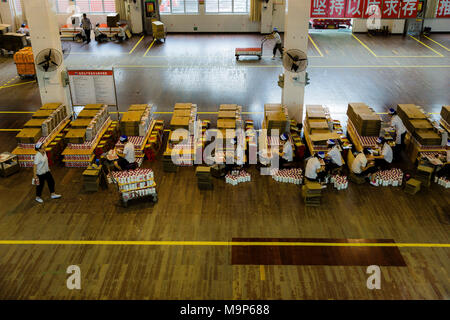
x: 295, y: 37
x: 44, y: 32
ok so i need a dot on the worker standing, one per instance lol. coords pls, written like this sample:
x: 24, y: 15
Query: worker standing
x: 41, y: 173
x: 87, y: 26
x: 278, y: 44
x: 400, y: 130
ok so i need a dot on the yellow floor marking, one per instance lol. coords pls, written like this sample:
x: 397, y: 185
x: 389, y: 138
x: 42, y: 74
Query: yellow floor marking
x: 438, y: 43
x: 364, y: 45
x: 17, y: 84
x: 151, y: 45
x: 18, y: 112
x: 439, y: 54
x: 262, y: 273
x: 136, y: 45
x: 222, y: 243
x: 10, y: 130
x: 315, y: 46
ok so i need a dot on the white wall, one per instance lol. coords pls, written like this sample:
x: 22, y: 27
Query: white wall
x: 396, y: 26
x: 438, y: 25
x: 209, y: 22
x: 5, y: 12
x: 100, y: 18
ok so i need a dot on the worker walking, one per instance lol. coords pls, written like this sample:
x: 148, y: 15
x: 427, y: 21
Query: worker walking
x: 400, y: 131
x: 41, y: 173
x: 278, y: 44
x: 87, y: 26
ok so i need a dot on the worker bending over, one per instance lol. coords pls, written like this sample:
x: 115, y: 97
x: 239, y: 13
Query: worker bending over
x: 334, y: 159
x: 361, y: 167
x: 99, y: 36
x: 314, y: 170
x: 386, y: 152
x: 287, y: 155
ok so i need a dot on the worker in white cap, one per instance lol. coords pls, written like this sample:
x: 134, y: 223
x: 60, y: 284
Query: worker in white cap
x: 386, y: 152
x: 314, y: 170
x: 334, y: 156
x: 41, y: 173
x: 287, y: 155
x: 400, y: 130
x: 361, y: 166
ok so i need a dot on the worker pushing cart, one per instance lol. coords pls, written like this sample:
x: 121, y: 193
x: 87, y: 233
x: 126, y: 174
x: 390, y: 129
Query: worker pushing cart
x: 259, y: 51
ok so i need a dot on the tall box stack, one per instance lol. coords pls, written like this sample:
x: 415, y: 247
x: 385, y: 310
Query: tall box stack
x: 276, y: 117
x: 136, y: 121
x: 418, y: 124
x: 112, y: 19
x: 364, y: 119
x: 184, y: 117
x: 316, y: 120
x: 24, y: 61
x: 97, y: 123
x: 229, y: 118
x: 204, y: 180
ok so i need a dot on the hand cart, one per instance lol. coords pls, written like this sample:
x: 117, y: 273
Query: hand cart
x: 250, y: 51
x: 143, y: 190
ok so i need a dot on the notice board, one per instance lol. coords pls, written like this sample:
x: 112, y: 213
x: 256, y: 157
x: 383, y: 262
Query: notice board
x: 92, y: 86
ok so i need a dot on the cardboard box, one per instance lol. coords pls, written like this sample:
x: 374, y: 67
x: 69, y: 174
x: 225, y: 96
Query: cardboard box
x: 409, y: 111
x: 315, y: 112
x: 96, y: 106
x: 34, y: 123
x: 183, y: 106
x: 76, y: 136
x: 226, y: 123
x: 231, y: 114
x: 80, y: 123
x: 182, y: 113
x: 42, y: 114
x: 228, y: 107
x: 180, y: 122
x: 50, y: 106
x: 138, y: 107
x: 445, y: 113
x: 29, y: 135
x: 86, y: 114
x: 112, y: 19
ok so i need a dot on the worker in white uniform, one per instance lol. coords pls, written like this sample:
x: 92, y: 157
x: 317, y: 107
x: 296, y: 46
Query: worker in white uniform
x: 287, y: 155
x: 400, y: 130
x: 278, y: 44
x: 99, y: 36
x: 24, y: 30
x: 125, y: 162
x: 361, y: 165
x: 334, y: 158
x: 386, y: 152
x: 313, y: 170
x: 239, y: 155
x: 41, y: 173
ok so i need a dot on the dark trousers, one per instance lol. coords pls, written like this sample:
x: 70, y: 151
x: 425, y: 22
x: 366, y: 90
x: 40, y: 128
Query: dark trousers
x: 101, y: 37
x: 87, y: 33
x: 42, y: 178
x: 279, y: 48
x: 368, y: 171
x: 320, y: 177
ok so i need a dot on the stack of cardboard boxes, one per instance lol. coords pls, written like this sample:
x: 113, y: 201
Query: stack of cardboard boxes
x: 88, y: 124
x: 158, y: 30
x: 24, y: 61
x: 276, y: 117
x: 445, y: 114
x: 136, y: 121
x: 91, y: 178
x: 364, y: 119
x: 230, y: 119
x: 204, y: 180
x: 184, y: 117
x: 419, y: 125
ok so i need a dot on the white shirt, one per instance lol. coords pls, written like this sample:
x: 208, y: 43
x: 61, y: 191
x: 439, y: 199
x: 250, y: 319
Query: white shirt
x: 97, y: 31
x: 128, y: 152
x: 277, y: 37
x: 41, y: 162
x: 288, y: 152
x: 24, y: 31
x: 335, y: 156
x: 312, y: 166
x: 400, y: 128
x: 387, y: 153
x: 239, y: 154
x: 359, y: 163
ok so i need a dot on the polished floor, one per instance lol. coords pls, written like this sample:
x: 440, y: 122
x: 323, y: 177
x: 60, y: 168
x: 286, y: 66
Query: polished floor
x: 202, y: 69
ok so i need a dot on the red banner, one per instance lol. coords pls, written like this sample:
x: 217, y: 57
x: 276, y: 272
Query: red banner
x: 373, y: 8
x: 408, y: 9
x: 336, y: 8
x: 319, y: 9
x: 443, y: 9
x: 391, y: 9
x: 354, y: 8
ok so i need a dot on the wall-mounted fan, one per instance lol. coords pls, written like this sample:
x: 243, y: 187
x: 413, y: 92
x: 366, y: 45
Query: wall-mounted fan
x: 49, y: 60
x: 295, y: 60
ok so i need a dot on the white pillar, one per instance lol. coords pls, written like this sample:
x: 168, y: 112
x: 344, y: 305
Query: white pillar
x: 44, y: 32
x: 295, y: 37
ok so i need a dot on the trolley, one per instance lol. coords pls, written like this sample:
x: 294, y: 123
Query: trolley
x: 250, y: 51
